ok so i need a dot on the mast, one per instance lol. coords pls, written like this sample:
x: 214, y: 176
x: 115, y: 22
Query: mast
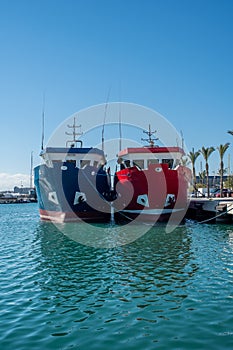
x: 31, y: 169
x: 120, y: 124
x: 105, y: 112
x: 151, y: 140
x: 42, y: 134
x: 182, y: 139
x: 105, y: 115
x: 120, y: 130
x: 74, y: 133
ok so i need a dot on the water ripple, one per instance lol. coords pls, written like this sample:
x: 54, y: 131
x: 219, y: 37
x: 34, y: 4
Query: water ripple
x: 165, y: 290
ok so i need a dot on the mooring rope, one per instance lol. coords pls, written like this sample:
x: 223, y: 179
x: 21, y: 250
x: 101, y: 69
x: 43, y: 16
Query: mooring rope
x: 213, y: 218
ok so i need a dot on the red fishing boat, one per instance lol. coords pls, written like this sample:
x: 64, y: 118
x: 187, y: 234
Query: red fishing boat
x: 151, y: 184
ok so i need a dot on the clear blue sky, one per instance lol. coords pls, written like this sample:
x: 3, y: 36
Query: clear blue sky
x: 173, y: 56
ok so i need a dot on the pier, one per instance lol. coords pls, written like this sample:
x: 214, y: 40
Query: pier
x: 17, y: 200
x: 20, y: 195
x: 212, y: 210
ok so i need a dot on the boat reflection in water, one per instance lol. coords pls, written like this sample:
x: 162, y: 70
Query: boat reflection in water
x: 156, y: 259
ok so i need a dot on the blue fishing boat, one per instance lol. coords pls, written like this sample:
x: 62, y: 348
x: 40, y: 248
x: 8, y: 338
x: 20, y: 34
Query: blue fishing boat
x: 72, y: 183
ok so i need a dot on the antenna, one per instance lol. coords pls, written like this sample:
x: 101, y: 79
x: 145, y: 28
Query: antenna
x: 182, y: 139
x: 105, y: 115
x: 42, y: 136
x: 120, y: 124
x: 74, y: 134
x: 31, y: 167
x: 150, y: 139
x: 120, y: 130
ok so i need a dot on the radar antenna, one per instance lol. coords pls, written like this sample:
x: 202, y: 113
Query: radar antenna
x: 73, y: 142
x: 151, y: 140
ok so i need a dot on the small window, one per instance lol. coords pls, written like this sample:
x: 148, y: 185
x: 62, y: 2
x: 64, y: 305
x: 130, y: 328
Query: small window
x: 84, y: 162
x: 153, y: 161
x: 127, y: 163
x: 169, y: 162
x: 95, y: 163
x: 139, y: 163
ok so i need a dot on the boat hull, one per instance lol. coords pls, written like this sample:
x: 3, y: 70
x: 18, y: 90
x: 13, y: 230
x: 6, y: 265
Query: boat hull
x: 157, y: 194
x: 69, y: 194
x: 150, y: 216
x: 61, y: 217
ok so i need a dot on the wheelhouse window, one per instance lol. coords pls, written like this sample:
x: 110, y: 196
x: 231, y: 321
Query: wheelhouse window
x: 127, y: 163
x: 84, y: 163
x: 169, y: 162
x: 152, y: 161
x: 139, y: 163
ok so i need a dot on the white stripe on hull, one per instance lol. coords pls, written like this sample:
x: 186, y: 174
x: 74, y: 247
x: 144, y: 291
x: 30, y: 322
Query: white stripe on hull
x: 153, y: 211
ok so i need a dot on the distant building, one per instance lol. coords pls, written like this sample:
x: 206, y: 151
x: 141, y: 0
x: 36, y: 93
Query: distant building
x: 214, y: 180
x: 24, y: 190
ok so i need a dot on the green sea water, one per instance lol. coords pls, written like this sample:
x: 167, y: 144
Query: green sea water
x: 163, y: 291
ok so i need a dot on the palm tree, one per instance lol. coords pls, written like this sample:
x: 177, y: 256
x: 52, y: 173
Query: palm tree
x: 222, y: 149
x: 184, y: 161
x: 219, y: 172
x: 202, y: 176
x: 230, y: 132
x: 206, y: 152
x: 193, y: 157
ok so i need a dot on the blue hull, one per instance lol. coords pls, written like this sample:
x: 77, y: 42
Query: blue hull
x: 67, y: 193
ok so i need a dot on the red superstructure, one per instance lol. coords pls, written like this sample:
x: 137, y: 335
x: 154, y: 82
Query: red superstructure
x: 151, y: 184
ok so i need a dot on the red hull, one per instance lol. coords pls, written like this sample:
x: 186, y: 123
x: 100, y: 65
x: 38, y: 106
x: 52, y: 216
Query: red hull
x: 173, y: 217
x: 152, y: 195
